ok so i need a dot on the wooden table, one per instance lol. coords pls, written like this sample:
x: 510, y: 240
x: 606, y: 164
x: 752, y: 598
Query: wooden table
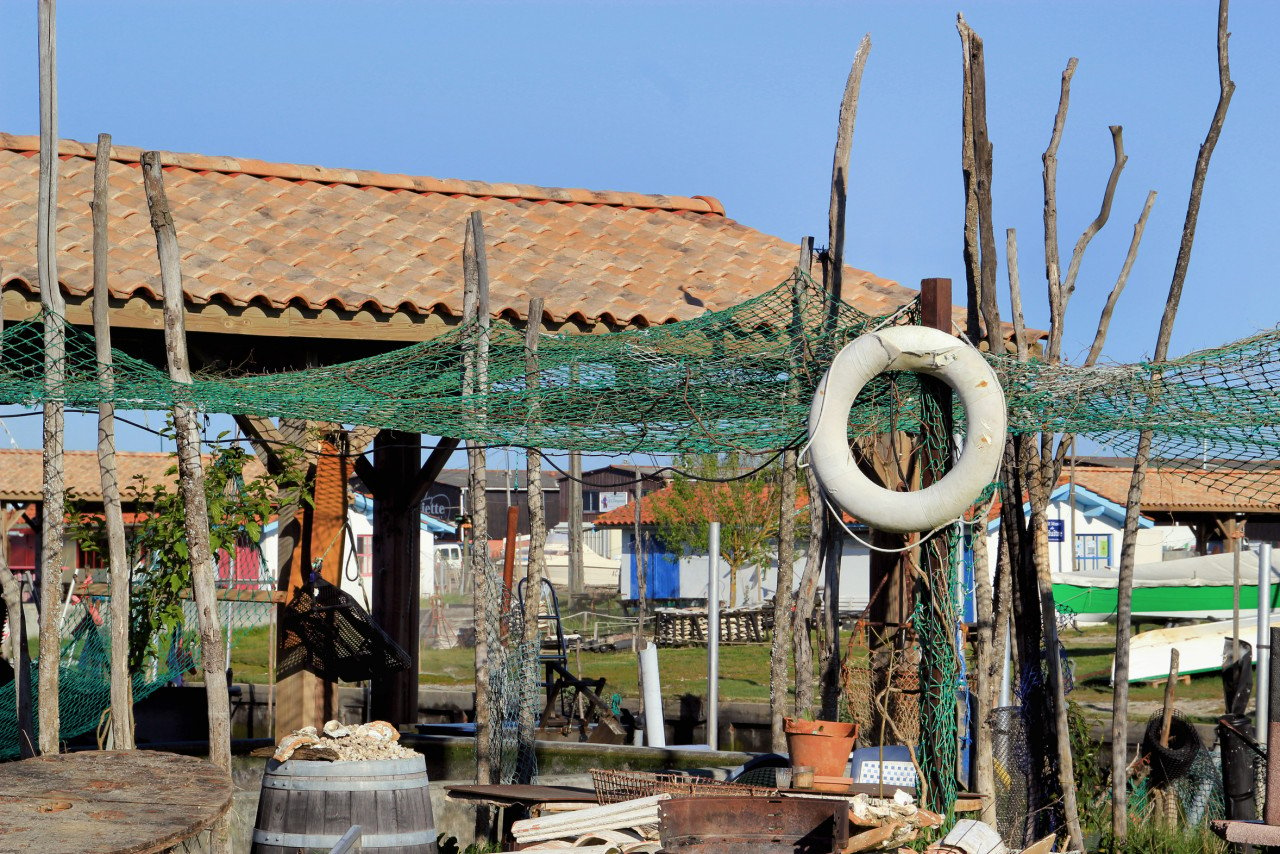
x: 108, y: 802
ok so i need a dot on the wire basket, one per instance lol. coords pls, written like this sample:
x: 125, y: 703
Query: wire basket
x: 616, y: 786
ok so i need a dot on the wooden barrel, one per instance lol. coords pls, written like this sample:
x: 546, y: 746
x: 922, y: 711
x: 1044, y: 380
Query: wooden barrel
x: 309, y: 805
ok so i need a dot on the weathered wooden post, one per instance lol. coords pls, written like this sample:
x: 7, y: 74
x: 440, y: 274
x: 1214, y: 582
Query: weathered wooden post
x: 475, y: 311
x: 190, y: 467
x: 783, y: 601
x: 833, y: 539
x: 53, y: 528
x: 120, y: 572
x: 533, y: 468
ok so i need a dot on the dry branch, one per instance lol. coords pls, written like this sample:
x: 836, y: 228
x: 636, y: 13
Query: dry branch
x: 1015, y: 295
x: 834, y: 280
x: 1108, y: 196
x: 1053, y: 273
x: 1104, y: 319
x: 1124, y: 585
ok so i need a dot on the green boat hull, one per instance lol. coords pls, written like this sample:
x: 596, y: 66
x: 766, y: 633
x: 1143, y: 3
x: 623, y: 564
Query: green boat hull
x: 1099, y: 603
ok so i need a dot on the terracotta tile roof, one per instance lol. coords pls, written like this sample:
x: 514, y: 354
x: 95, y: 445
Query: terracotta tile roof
x: 282, y: 235
x: 1171, y: 490
x: 21, y: 473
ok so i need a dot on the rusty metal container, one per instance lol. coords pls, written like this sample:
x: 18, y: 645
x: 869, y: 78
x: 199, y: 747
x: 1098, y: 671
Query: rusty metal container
x: 737, y: 825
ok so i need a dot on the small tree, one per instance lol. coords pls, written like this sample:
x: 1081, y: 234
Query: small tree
x: 157, y: 548
x: 713, y: 488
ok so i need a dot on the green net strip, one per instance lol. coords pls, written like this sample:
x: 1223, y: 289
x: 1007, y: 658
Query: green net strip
x: 739, y: 379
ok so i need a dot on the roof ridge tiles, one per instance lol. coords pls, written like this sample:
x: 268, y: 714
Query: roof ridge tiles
x: 28, y: 145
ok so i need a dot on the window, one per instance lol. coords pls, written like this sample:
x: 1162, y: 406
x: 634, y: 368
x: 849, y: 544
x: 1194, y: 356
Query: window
x: 90, y: 558
x: 364, y: 555
x: 1093, y: 551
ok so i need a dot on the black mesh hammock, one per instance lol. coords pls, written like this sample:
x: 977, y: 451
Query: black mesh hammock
x: 325, y: 631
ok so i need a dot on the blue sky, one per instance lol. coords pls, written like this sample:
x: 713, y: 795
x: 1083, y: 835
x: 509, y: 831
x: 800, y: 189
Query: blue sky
x: 734, y: 100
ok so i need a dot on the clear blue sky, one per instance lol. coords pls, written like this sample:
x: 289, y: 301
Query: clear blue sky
x: 734, y: 100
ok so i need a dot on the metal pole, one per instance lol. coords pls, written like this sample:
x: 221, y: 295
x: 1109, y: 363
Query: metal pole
x: 713, y: 636
x: 1235, y: 590
x: 1264, y: 641
x: 1006, y: 695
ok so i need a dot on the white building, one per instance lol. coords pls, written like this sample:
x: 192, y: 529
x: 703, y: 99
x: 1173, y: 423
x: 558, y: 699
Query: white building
x: 1086, y: 530
x: 357, y: 570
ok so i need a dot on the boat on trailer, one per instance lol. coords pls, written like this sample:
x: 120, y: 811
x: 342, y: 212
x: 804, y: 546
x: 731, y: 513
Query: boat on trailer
x: 1202, y: 648
x: 1194, y: 588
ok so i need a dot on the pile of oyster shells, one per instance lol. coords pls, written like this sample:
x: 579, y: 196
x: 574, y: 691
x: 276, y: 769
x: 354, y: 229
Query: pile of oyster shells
x: 374, y: 740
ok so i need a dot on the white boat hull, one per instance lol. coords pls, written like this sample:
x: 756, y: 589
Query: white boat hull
x: 1201, y: 648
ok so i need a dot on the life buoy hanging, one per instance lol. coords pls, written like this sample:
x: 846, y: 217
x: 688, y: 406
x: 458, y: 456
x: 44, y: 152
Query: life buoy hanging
x: 925, y: 351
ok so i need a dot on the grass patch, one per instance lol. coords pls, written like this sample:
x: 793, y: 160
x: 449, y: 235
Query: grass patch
x: 744, y: 668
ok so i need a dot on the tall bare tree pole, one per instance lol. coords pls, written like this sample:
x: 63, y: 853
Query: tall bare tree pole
x: 475, y: 309
x: 1124, y: 586
x: 980, y: 270
x: 836, y: 216
x: 783, y: 601
x: 190, y: 467
x: 53, y: 529
x: 533, y: 473
x: 532, y: 603
x: 121, y: 686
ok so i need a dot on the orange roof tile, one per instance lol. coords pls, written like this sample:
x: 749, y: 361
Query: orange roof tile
x: 21, y: 473
x: 1171, y: 490
x: 284, y: 235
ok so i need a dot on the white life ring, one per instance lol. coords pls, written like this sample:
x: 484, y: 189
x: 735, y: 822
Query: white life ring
x: 926, y: 351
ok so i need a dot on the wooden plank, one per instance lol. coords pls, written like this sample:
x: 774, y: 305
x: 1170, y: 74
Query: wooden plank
x: 291, y: 322
x: 302, y: 698
x: 109, y: 802
x: 223, y: 594
x: 396, y: 557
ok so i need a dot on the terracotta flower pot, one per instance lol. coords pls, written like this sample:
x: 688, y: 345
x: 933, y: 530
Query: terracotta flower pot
x: 822, y: 745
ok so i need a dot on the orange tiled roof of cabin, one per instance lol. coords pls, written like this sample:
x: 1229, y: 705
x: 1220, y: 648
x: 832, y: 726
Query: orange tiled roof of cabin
x: 264, y: 238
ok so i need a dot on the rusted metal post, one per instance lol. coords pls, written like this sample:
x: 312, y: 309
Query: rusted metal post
x: 509, y: 555
x: 1271, y: 810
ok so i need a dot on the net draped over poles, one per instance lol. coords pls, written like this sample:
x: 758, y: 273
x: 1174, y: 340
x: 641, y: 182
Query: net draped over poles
x: 720, y: 382
x: 739, y: 379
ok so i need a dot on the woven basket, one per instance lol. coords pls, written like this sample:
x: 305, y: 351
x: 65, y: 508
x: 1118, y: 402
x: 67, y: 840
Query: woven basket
x: 616, y: 786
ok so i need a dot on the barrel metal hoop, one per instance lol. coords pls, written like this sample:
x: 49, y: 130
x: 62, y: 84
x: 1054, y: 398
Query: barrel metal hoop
x: 327, y: 840
x: 343, y: 784
x: 357, y: 768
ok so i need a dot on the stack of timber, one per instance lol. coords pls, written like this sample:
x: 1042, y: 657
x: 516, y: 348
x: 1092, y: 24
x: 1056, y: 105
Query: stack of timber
x: 639, y: 816
x: 684, y: 626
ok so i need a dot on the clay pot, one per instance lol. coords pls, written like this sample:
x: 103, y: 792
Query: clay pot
x: 822, y: 745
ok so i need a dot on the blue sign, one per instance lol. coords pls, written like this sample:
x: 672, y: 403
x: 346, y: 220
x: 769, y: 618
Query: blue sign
x: 1057, y: 530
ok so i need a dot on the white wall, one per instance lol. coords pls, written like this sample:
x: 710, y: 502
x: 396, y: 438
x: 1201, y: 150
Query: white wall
x: 855, y: 575
x: 1150, y: 547
x: 356, y: 583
